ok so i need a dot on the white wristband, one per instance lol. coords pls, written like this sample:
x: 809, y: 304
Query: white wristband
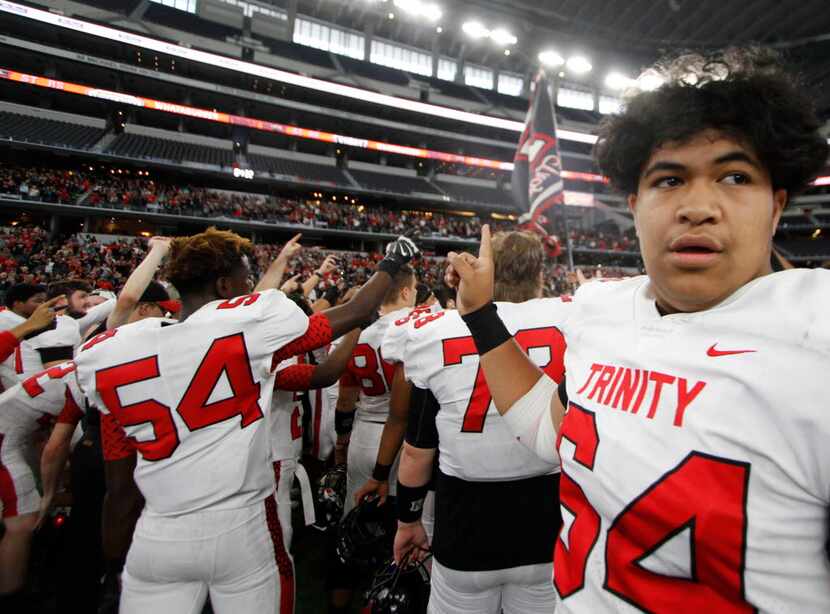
x: 531, y: 421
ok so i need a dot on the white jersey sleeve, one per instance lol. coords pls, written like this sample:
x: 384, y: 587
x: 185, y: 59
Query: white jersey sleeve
x: 96, y: 315
x: 193, y: 396
x: 286, y: 420
x: 27, y: 358
x: 43, y: 394
x: 394, y: 341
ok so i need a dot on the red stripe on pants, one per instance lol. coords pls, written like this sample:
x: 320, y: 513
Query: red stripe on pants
x: 285, y: 566
x: 7, y: 492
x: 318, y: 418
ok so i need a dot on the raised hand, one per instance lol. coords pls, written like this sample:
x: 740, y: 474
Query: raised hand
x: 398, y: 253
x: 475, y: 275
x: 329, y: 265
x: 292, y: 285
x: 290, y: 249
x: 158, y: 242
x: 44, y: 315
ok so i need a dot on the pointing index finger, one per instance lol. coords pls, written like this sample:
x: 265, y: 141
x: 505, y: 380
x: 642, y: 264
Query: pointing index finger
x: 486, y: 249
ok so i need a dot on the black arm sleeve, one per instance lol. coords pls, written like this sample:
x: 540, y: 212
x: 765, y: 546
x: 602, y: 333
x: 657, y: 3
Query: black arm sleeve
x: 421, y: 429
x: 563, y: 393
x: 64, y: 352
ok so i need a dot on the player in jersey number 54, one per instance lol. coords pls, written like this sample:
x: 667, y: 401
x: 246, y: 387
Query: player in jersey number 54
x: 191, y: 397
x: 693, y: 425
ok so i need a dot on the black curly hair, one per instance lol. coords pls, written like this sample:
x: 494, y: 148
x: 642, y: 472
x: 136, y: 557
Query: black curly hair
x: 747, y: 94
x: 203, y: 258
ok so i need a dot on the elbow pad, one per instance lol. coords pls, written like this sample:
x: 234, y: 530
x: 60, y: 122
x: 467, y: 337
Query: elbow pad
x: 530, y: 420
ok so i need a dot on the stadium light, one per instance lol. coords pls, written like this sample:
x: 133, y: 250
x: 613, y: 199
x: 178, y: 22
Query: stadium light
x: 551, y: 58
x: 502, y: 37
x: 618, y: 81
x: 475, y: 29
x: 578, y: 64
x: 417, y: 8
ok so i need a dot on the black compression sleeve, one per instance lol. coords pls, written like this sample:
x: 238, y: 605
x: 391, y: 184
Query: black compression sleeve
x: 563, y: 393
x: 52, y: 354
x: 421, y: 429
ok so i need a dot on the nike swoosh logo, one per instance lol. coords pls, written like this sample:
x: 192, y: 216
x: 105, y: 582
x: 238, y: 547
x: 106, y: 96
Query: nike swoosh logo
x: 714, y: 353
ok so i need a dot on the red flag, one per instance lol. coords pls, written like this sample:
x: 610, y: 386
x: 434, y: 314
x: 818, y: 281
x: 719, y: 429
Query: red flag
x: 537, y: 174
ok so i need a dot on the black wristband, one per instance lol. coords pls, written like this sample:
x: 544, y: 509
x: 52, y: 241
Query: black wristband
x: 343, y: 421
x: 410, y: 502
x: 381, y: 472
x: 487, y: 328
x: 389, y: 265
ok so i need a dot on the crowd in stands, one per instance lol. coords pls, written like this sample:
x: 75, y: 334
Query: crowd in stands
x: 28, y: 255
x: 115, y: 190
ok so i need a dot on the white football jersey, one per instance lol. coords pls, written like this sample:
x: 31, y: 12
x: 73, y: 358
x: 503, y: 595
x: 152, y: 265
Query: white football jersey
x: 286, y: 419
x: 26, y: 359
x: 192, y: 395
x: 24, y: 406
x: 369, y: 370
x: 395, y: 339
x: 696, y: 451
x: 475, y: 442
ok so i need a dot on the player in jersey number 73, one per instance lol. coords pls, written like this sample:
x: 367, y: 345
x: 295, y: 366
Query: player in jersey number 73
x: 693, y: 426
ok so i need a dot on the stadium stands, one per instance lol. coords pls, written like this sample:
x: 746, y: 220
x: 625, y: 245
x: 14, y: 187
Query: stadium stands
x: 18, y: 127
x: 396, y: 184
x: 303, y: 171
x: 475, y: 193
x: 140, y: 146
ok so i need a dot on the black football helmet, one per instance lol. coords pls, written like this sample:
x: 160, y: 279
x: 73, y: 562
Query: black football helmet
x: 366, y: 534
x: 331, y: 497
x: 399, y: 589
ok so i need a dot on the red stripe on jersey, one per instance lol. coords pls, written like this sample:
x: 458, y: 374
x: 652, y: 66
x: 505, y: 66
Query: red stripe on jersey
x: 318, y: 419
x: 114, y: 442
x: 18, y: 361
x: 285, y: 566
x: 318, y: 334
x: 7, y: 493
x: 8, y: 343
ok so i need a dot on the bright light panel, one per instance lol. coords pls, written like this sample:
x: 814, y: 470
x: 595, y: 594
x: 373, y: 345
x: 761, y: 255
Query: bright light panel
x: 418, y: 8
x: 551, y: 58
x: 578, y: 64
x: 503, y: 37
x: 475, y: 29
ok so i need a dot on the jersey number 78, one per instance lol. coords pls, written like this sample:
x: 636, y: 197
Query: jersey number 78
x: 548, y: 337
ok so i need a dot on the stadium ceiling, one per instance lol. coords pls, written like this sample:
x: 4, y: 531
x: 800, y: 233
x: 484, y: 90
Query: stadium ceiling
x: 623, y: 35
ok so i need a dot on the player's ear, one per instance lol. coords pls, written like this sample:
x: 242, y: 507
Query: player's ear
x: 224, y: 287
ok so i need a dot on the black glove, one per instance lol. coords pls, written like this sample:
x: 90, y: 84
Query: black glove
x: 398, y: 253
x: 331, y: 294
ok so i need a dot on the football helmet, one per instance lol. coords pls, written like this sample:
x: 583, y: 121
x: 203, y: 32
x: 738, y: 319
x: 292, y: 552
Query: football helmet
x: 399, y: 589
x: 331, y: 497
x: 365, y: 537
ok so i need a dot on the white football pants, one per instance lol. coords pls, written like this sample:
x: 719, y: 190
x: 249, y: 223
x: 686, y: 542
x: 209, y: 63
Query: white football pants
x: 237, y: 556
